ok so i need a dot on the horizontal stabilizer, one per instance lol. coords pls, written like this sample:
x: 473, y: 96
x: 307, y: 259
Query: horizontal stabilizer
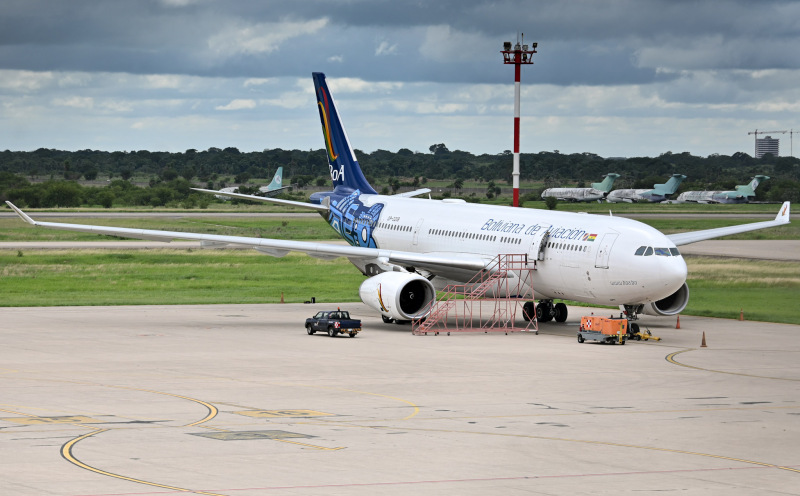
x: 416, y: 192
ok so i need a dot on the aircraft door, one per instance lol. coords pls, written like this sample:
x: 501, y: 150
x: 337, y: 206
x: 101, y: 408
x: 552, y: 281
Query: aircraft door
x: 416, y: 231
x: 539, y: 245
x: 601, y: 261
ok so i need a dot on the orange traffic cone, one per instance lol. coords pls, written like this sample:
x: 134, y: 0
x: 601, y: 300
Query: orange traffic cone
x: 741, y: 314
x: 678, y: 325
x: 281, y: 296
x: 703, y: 343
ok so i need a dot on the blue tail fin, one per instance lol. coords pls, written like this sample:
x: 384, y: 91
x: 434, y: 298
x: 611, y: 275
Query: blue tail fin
x: 607, y: 183
x: 277, y: 181
x: 671, y: 186
x: 750, y: 188
x: 345, y: 172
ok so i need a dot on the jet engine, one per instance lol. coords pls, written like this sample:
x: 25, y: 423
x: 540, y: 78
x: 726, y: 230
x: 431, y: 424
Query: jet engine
x: 671, y: 305
x: 398, y: 295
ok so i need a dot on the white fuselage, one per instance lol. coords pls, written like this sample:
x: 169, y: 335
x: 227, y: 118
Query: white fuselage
x: 588, y: 258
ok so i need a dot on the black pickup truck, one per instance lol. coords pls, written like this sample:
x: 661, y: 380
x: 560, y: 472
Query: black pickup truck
x: 333, y: 322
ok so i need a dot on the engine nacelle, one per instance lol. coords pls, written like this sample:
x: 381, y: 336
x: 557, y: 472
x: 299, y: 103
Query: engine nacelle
x: 398, y: 295
x: 671, y: 305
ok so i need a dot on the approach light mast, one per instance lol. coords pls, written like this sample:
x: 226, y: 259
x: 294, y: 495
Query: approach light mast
x: 518, y: 55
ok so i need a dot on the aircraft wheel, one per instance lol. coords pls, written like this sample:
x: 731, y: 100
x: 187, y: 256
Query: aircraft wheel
x: 332, y: 332
x: 387, y: 320
x: 528, y: 311
x: 543, y: 312
x: 561, y: 312
x: 309, y: 330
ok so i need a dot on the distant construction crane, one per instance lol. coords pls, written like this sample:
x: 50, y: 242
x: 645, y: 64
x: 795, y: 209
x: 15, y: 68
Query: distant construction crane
x: 757, y: 132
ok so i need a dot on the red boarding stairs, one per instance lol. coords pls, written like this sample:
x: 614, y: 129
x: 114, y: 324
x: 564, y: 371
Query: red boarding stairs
x: 498, y: 291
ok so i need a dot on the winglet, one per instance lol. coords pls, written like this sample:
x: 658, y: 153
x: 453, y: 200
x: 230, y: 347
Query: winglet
x: 21, y: 214
x: 783, y: 213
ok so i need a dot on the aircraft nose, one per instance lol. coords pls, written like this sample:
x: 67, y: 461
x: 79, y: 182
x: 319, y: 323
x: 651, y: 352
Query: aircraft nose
x: 673, y: 271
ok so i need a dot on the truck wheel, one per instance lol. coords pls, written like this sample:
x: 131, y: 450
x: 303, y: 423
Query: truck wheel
x: 352, y: 334
x: 309, y: 330
x: 331, y: 332
x: 580, y: 338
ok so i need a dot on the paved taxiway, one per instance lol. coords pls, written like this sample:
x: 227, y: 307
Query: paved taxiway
x: 238, y: 400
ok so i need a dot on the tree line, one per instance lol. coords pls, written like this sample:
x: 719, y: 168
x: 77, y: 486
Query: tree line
x: 47, y: 177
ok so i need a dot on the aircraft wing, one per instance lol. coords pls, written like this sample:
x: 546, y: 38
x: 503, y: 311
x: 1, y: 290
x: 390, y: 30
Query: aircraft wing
x: 311, y: 206
x: 694, y: 236
x: 439, y: 264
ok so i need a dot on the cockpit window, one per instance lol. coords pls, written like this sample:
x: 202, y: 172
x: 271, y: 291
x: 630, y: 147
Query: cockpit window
x: 675, y: 252
x: 640, y: 251
x: 648, y: 251
x: 662, y: 252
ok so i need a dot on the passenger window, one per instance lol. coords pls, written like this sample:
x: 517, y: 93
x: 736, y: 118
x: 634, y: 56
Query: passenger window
x: 662, y: 252
x: 640, y: 251
x: 675, y: 252
x: 648, y: 251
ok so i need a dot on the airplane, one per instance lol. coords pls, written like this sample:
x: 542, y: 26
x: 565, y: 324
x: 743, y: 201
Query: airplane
x: 274, y: 188
x: 742, y: 194
x: 659, y: 193
x: 598, y: 191
x: 409, y: 248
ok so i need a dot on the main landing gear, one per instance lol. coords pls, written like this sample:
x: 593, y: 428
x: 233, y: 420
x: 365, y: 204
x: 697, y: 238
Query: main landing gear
x: 545, y: 311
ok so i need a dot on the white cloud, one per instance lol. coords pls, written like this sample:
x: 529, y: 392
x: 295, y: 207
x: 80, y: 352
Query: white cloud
x: 238, y: 104
x: 336, y: 58
x: 355, y: 85
x: 386, y: 49
x: 260, y: 38
x: 257, y: 82
x: 25, y: 81
x: 83, y: 102
x: 163, y: 81
x: 445, y: 44
x: 291, y: 100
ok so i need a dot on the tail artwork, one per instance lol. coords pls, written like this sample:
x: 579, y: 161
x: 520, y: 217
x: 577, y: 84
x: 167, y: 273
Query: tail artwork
x: 277, y: 181
x: 671, y: 186
x: 606, y: 184
x: 750, y: 188
x: 344, y: 169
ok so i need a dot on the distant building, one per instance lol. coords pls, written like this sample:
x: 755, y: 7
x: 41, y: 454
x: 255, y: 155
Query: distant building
x: 767, y: 145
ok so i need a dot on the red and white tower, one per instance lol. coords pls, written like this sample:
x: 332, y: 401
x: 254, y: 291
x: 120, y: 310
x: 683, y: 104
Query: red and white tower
x: 518, y: 55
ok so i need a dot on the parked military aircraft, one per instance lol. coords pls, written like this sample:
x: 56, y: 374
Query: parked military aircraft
x: 274, y: 188
x: 597, y: 192
x: 742, y: 194
x: 659, y: 193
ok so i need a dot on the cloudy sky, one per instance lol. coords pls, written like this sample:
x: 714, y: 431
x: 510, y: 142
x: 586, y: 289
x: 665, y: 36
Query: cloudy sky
x: 615, y: 77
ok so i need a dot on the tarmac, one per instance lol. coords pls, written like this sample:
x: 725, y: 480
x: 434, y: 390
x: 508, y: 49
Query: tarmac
x: 238, y: 400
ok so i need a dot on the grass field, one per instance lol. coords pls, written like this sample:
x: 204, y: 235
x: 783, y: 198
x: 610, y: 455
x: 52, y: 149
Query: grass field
x: 764, y: 290
x: 105, y: 277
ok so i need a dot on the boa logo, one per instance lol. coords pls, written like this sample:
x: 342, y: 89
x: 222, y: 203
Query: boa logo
x: 336, y: 174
